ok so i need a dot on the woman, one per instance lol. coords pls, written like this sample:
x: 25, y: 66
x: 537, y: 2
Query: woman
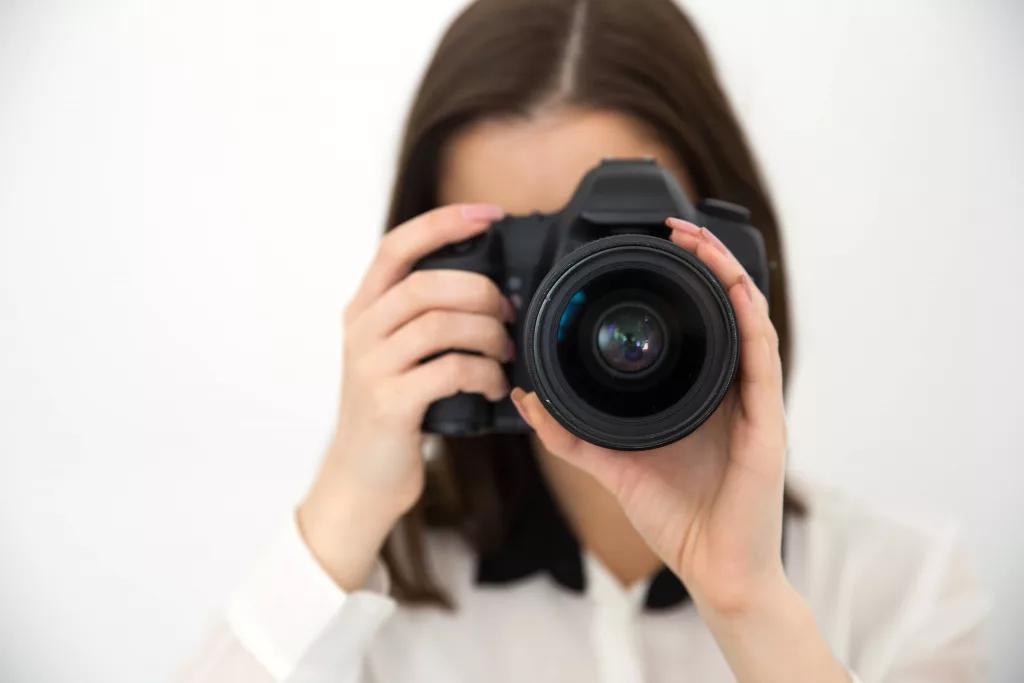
x: 546, y: 558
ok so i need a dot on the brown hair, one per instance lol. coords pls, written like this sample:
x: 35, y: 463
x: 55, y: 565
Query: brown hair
x: 643, y: 58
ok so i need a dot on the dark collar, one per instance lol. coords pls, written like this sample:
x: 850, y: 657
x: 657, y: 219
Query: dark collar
x: 538, y: 539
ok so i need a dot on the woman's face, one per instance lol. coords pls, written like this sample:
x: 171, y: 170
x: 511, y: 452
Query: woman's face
x: 535, y: 164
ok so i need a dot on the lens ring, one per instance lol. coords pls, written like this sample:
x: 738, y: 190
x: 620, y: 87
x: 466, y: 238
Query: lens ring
x: 693, y: 278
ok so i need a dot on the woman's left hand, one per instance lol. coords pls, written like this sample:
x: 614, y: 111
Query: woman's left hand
x: 709, y: 505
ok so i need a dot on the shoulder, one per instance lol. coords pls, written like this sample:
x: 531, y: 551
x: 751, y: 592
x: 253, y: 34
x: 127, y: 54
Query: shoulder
x: 846, y: 545
x: 860, y: 538
x: 880, y: 581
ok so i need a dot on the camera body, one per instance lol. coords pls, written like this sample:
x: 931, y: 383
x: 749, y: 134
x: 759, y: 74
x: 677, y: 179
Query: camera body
x: 620, y: 204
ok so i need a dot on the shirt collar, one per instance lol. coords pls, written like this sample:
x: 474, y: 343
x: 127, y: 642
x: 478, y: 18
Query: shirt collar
x: 538, y: 540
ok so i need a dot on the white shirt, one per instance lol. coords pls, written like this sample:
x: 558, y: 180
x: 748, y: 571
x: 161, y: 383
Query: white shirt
x: 896, y: 604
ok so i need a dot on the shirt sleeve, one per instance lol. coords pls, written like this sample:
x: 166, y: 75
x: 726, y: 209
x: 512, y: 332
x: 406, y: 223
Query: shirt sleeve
x: 288, y: 622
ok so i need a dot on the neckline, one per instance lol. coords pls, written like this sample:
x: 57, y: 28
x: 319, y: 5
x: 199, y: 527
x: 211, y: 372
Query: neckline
x: 538, y: 540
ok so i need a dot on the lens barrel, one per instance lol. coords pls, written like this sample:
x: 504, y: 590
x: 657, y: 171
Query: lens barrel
x: 631, y: 342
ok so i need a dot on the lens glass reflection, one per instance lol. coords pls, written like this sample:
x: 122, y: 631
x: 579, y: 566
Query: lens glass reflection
x: 630, y: 338
x: 631, y: 342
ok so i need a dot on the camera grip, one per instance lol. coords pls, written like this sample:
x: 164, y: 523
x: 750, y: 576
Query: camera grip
x: 458, y: 415
x: 464, y: 414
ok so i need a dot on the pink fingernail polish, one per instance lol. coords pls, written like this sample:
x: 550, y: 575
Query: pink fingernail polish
x: 683, y: 226
x: 710, y: 237
x: 482, y: 212
x: 508, y: 310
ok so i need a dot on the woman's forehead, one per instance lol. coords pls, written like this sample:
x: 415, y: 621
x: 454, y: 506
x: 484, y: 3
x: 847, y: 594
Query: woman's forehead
x: 534, y: 164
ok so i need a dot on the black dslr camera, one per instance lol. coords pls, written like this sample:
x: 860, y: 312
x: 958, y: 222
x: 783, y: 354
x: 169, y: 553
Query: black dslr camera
x: 630, y: 341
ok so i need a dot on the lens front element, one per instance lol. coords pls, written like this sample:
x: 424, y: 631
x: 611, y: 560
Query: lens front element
x: 630, y: 338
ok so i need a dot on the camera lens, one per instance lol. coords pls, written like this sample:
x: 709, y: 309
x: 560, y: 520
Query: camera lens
x: 620, y: 343
x: 631, y: 342
x: 630, y: 338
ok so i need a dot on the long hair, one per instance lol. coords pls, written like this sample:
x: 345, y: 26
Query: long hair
x: 507, y: 58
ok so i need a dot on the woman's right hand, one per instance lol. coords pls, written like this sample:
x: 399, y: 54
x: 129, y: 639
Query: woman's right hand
x: 373, y: 471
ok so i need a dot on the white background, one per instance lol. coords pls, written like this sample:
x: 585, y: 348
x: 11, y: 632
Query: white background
x: 190, y: 190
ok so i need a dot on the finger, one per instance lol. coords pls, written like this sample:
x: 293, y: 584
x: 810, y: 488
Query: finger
x: 760, y: 375
x: 760, y: 366
x: 445, y: 376
x: 426, y: 290
x: 704, y: 245
x: 438, y: 330
x: 598, y: 462
x: 411, y: 241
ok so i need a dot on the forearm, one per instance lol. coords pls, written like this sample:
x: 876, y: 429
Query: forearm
x: 776, y: 640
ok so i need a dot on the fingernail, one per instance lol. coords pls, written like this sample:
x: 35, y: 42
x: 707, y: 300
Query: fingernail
x: 683, y: 226
x: 511, y: 352
x: 748, y: 287
x: 710, y: 237
x: 508, y: 310
x: 517, y: 396
x: 482, y: 212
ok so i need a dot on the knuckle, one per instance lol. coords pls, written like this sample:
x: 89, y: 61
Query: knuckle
x: 390, y: 247
x: 436, y: 221
x: 482, y: 291
x: 409, y: 284
x: 350, y: 341
x: 419, y: 280
x: 410, y: 293
x: 476, y: 371
x: 449, y: 221
x: 348, y: 345
x: 494, y: 335
x: 444, y: 281
x: 483, y: 371
x: 493, y: 373
x: 496, y: 384
x: 434, y: 324
x: 348, y: 315
x: 492, y: 293
x: 465, y: 366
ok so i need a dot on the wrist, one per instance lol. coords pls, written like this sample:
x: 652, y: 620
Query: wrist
x: 767, y: 604
x: 775, y: 638
x: 737, y: 596
x: 345, y: 533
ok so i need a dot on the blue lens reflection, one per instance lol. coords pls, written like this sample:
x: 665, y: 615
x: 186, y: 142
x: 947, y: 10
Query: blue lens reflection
x: 569, y: 314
